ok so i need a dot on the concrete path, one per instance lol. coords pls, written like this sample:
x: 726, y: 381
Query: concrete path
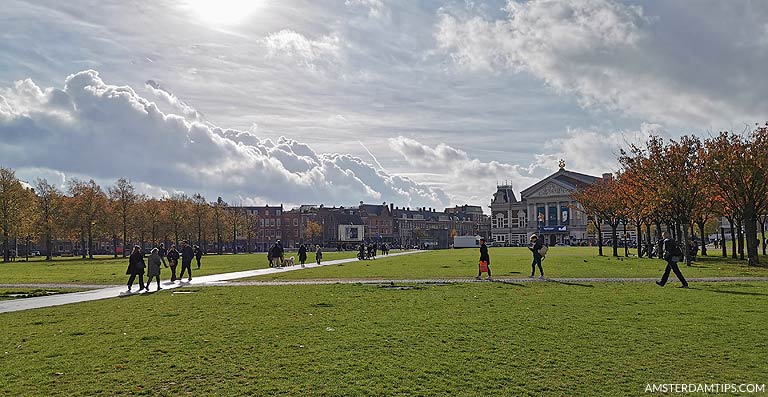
x: 121, y: 291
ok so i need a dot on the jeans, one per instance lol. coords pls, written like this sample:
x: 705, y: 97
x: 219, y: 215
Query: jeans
x: 133, y: 277
x: 672, y: 265
x: 536, y: 261
x: 186, y: 265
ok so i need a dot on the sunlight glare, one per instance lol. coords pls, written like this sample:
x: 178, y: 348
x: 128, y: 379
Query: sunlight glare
x: 222, y: 12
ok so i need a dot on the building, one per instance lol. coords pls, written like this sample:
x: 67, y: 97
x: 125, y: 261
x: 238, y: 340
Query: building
x: 546, y: 208
x: 425, y: 227
x: 378, y: 221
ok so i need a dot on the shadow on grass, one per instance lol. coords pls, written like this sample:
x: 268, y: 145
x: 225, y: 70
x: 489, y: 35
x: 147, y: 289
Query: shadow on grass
x: 511, y: 283
x: 721, y: 291
x: 567, y: 283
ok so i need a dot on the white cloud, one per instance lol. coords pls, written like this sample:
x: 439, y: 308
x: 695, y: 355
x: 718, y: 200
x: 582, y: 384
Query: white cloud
x: 375, y: 7
x: 615, y: 55
x: 302, y: 50
x: 472, y: 180
x: 106, y: 132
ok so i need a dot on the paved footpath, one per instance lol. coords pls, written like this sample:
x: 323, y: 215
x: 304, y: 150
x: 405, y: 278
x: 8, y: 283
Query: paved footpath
x: 514, y: 280
x: 121, y: 290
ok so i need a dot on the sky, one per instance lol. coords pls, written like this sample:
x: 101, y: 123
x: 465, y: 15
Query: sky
x: 416, y: 103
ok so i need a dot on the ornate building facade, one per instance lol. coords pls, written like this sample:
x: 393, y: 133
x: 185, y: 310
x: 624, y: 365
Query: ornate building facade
x: 546, y: 208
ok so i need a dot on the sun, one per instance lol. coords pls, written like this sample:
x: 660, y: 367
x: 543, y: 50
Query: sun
x: 222, y: 12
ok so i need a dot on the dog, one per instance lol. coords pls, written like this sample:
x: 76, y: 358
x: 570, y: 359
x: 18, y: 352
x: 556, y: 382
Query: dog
x: 289, y: 262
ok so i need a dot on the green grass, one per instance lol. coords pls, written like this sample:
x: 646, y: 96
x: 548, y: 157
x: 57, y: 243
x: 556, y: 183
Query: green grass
x: 516, y: 262
x: 19, y: 293
x: 105, y: 270
x: 464, y: 339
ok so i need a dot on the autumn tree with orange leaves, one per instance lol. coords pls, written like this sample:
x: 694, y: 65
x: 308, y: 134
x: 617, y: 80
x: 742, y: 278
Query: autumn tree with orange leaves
x: 739, y: 166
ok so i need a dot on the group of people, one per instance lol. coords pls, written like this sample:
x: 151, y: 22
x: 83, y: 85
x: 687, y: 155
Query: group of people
x: 276, y: 254
x: 159, y: 257
x: 369, y: 251
x: 672, y: 254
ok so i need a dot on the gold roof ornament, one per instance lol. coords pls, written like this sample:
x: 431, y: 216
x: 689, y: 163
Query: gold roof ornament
x: 562, y: 164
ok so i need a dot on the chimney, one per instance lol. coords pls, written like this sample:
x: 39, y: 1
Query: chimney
x: 391, y: 207
x: 607, y: 176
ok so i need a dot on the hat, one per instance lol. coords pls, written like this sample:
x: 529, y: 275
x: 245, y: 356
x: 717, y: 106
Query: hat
x: 533, y: 236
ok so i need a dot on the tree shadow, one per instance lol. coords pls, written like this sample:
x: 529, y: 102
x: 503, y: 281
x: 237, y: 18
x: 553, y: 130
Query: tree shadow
x: 510, y: 283
x: 722, y: 291
x: 568, y: 283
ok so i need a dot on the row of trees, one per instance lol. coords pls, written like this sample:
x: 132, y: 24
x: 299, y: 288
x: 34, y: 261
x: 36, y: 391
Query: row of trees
x: 685, y: 183
x: 86, y: 213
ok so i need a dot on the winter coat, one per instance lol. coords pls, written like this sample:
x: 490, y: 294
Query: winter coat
x: 302, y: 253
x: 536, y: 247
x: 198, y: 253
x: 484, y: 254
x: 187, y: 254
x: 135, y: 264
x: 153, y: 262
x: 173, y: 256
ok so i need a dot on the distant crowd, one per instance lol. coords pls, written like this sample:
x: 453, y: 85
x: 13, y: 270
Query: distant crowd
x: 159, y: 257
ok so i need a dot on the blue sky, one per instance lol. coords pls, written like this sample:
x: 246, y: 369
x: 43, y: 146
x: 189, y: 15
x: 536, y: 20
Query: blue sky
x: 412, y: 102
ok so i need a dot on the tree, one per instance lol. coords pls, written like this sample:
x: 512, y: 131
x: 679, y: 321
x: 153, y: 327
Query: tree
x: 88, y: 205
x: 739, y: 167
x: 177, y: 207
x: 602, y: 203
x: 124, y: 196
x: 49, y: 207
x: 201, y: 212
x: 313, y: 230
x: 11, y: 204
x: 218, y: 215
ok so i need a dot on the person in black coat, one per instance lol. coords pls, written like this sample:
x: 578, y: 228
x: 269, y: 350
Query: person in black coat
x: 302, y: 254
x: 484, y: 257
x: 672, y: 254
x: 198, y: 255
x: 187, y: 254
x: 173, y: 261
x: 136, y: 267
x: 535, y: 246
x: 162, y: 252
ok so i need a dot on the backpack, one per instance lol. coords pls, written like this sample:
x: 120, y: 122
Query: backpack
x: 676, y: 251
x: 543, y: 250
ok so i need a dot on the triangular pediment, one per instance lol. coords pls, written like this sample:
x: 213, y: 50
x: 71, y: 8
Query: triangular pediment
x: 550, y: 188
x: 560, y: 183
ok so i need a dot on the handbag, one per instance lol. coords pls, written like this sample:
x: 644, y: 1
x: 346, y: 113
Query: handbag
x: 484, y: 266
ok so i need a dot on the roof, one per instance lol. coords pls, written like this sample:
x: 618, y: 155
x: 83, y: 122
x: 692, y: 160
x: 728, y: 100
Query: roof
x: 567, y: 179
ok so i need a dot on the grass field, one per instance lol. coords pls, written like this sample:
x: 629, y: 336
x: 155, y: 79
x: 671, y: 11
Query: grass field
x: 461, y: 339
x: 516, y: 262
x: 105, y: 270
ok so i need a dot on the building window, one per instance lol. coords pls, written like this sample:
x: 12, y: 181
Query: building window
x: 295, y: 221
x: 278, y: 222
x: 277, y: 212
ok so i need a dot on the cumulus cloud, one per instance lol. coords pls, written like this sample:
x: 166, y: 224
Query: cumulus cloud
x: 471, y: 179
x: 105, y: 131
x: 617, y: 55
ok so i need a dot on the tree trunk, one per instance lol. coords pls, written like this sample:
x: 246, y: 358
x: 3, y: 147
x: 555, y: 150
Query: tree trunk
x: 722, y: 242
x: 686, y: 251
x: 703, y: 241
x: 733, y: 238
x: 6, y: 250
x: 626, y: 242
x: 125, y: 236
x: 648, y: 237
x: 114, y: 244
x: 750, y: 231
x: 48, y: 255
x: 82, y: 244
x: 599, y: 238
x: 740, y: 234
x: 762, y: 243
x: 614, y: 242
x: 659, y: 241
x: 639, y: 239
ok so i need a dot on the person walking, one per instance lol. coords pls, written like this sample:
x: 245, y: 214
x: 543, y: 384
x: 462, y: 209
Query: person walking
x: 535, y: 246
x: 136, y: 268
x: 153, y: 267
x: 187, y: 254
x: 318, y: 254
x: 173, y: 261
x: 672, y: 254
x: 485, y: 261
x: 198, y: 255
x: 302, y: 254
x: 162, y: 252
